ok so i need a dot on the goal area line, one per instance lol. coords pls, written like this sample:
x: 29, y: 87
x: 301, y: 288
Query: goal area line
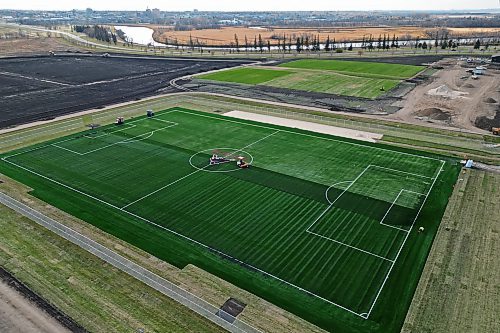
x: 364, y: 315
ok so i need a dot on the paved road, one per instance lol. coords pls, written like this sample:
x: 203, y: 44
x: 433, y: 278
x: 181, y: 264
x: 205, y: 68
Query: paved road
x: 151, y: 279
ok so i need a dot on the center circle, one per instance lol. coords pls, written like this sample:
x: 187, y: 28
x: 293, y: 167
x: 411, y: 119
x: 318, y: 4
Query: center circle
x: 201, y: 159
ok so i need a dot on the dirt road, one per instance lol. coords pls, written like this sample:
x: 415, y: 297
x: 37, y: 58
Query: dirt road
x: 18, y: 315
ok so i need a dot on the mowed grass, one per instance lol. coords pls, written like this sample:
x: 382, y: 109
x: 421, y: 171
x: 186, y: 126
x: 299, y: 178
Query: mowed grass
x: 335, y: 83
x: 301, y: 228
x: 363, y: 68
x: 246, y: 75
x: 349, y: 78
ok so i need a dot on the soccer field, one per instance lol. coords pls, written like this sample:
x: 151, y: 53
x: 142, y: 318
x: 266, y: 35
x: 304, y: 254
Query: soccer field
x: 316, y: 225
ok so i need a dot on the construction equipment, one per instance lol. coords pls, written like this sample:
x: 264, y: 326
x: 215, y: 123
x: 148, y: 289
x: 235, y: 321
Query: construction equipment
x: 120, y: 121
x: 495, y: 130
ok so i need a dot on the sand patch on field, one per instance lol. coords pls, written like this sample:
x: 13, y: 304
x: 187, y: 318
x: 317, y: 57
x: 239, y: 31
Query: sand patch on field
x: 305, y: 125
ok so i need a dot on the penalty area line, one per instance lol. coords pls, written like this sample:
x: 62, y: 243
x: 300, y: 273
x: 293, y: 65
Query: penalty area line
x: 185, y: 237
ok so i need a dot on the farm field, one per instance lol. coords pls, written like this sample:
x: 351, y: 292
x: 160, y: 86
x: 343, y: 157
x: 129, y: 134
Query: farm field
x: 225, y: 35
x: 321, y: 226
x: 350, y: 78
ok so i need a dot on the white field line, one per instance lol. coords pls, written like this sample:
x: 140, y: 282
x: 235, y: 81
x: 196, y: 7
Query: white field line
x: 136, y: 138
x: 192, y: 173
x: 400, y: 171
x: 310, y: 135
x: 72, y: 138
x: 363, y: 315
x: 404, y: 242
x: 350, y: 246
x: 387, y: 213
x: 56, y: 224
x: 329, y: 207
x: 417, y: 193
x: 331, y: 186
x: 108, y: 133
x: 67, y: 149
x: 183, y: 236
x: 163, y: 187
x: 338, y: 197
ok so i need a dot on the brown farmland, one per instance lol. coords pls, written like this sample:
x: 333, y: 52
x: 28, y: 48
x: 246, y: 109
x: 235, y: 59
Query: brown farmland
x: 226, y: 35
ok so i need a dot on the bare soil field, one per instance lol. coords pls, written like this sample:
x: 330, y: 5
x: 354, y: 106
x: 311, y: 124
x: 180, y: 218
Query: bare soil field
x: 31, y: 46
x: 35, y: 88
x: 452, y: 98
x: 225, y: 36
x: 459, y: 288
x: 18, y: 315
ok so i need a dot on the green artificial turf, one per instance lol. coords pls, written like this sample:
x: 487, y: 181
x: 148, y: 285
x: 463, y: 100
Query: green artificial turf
x: 246, y: 75
x: 314, y: 226
x: 383, y: 70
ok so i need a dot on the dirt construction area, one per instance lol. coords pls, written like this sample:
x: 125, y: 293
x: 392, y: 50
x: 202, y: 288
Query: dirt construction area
x: 459, y: 288
x: 453, y: 97
x: 35, y: 88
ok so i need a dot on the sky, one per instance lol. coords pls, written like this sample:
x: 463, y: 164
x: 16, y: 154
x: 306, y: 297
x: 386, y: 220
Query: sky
x: 253, y: 5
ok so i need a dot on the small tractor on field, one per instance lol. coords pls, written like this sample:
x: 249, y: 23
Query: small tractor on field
x: 495, y: 130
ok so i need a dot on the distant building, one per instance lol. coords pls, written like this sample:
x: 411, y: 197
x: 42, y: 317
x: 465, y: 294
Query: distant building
x: 495, y: 58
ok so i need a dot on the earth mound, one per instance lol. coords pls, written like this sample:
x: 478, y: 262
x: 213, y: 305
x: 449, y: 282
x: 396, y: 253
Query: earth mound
x: 435, y: 114
x: 490, y: 100
x: 445, y: 91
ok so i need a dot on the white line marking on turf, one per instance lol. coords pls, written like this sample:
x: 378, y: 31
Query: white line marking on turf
x: 194, y: 172
x: 387, y: 213
x: 404, y: 241
x: 74, y: 138
x: 67, y: 149
x: 329, y: 207
x: 163, y: 187
x: 363, y: 315
x: 127, y: 126
x: 63, y: 228
x: 338, y: 197
x: 352, y: 247
x: 309, y: 135
x: 183, y: 236
x: 140, y: 137
x: 400, y: 171
x: 331, y: 186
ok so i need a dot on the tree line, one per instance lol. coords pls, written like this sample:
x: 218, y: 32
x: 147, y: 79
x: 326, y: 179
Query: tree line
x: 98, y: 32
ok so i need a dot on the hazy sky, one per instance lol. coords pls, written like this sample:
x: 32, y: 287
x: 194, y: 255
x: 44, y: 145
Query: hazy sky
x: 240, y: 5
